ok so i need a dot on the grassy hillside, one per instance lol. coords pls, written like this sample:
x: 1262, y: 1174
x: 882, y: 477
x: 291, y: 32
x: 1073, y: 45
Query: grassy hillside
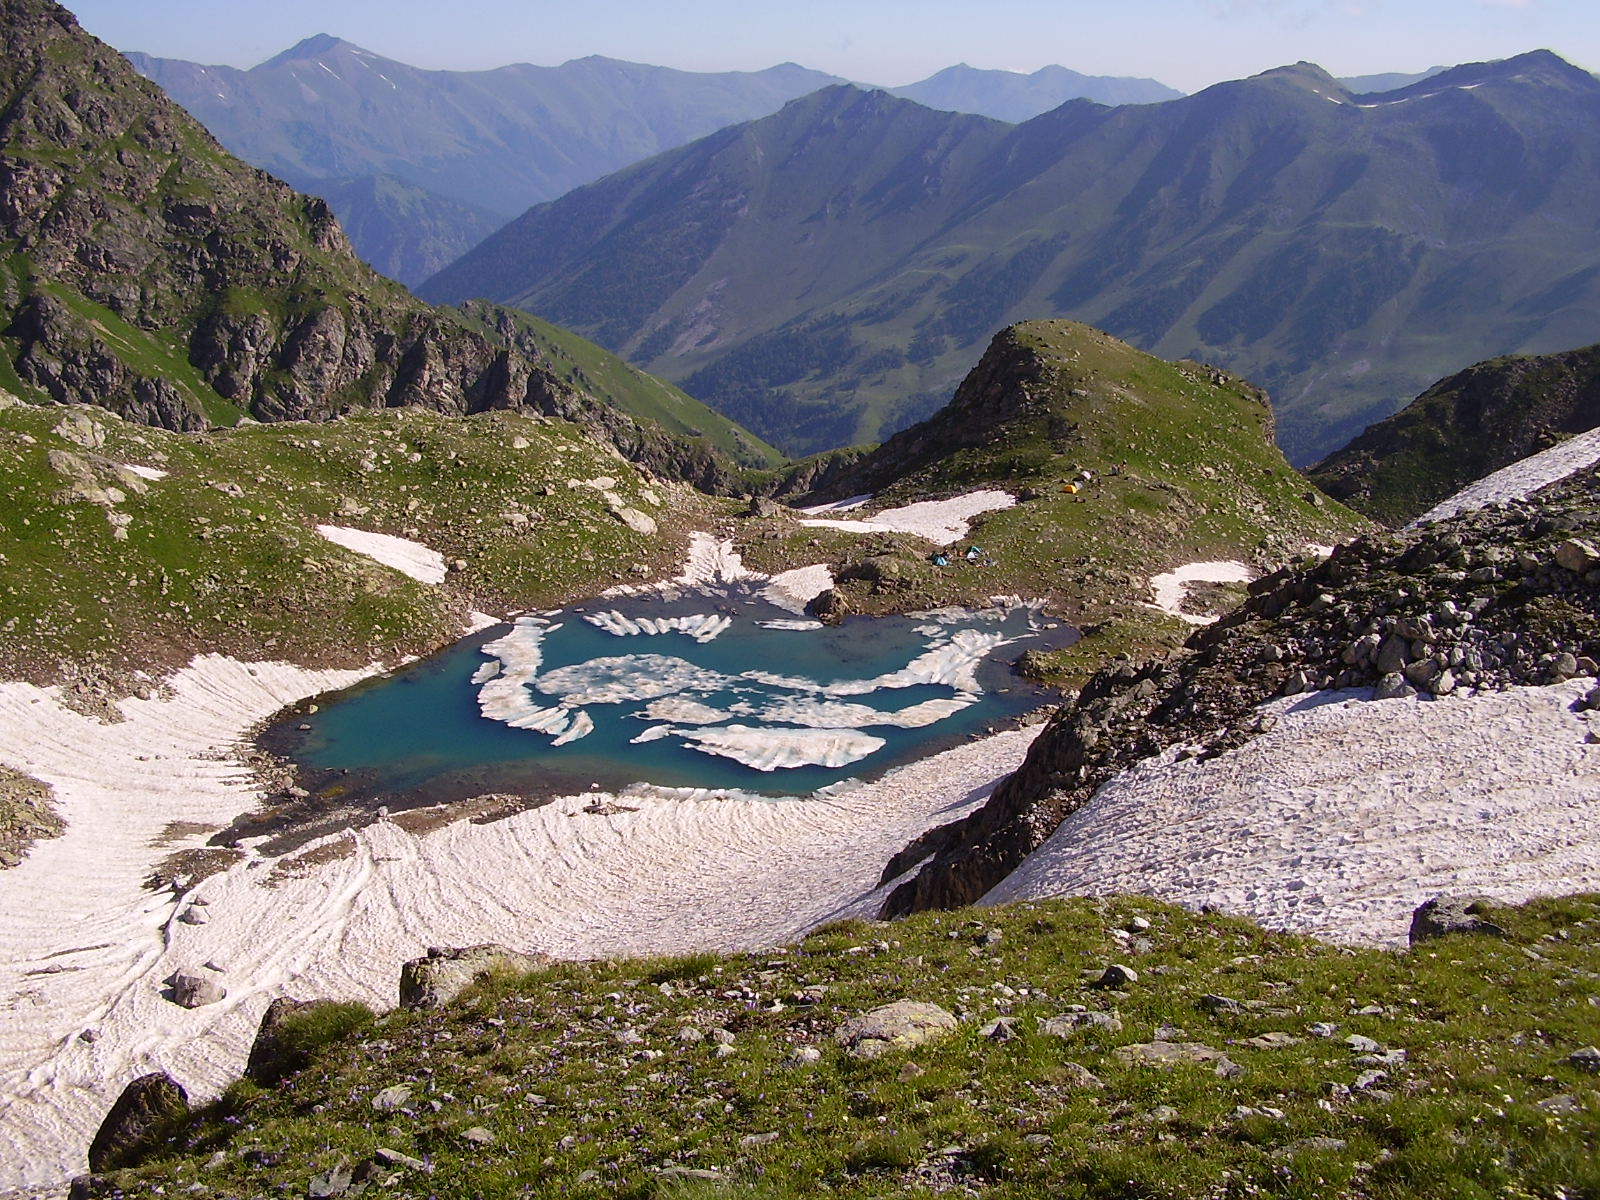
x: 601, y: 374
x: 107, y: 571
x: 1181, y: 468
x: 1446, y: 1072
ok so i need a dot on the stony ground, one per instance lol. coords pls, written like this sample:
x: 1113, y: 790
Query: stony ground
x: 1079, y: 1048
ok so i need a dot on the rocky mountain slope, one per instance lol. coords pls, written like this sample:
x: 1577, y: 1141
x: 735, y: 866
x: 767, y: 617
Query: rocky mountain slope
x: 838, y: 265
x: 1494, y: 598
x: 1461, y: 429
x: 145, y: 270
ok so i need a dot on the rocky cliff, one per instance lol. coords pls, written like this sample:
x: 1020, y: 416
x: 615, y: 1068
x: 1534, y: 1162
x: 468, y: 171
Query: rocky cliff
x: 144, y: 269
x: 1495, y: 598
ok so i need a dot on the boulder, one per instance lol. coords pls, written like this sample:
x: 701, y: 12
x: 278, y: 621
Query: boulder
x: 138, y: 1122
x: 442, y: 974
x: 1073, y: 1023
x: 1445, y: 915
x: 272, y: 1056
x: 1169, y: 1054
x: 764, y: 506
x: 193, y: 991
x: 894, y: 1026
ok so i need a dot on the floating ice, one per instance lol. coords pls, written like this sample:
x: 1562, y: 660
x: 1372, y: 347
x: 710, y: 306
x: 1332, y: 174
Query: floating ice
x: 486, y: 672
x: 581, y: 726
x: 685, y: 712
x: 772, y: 749
x: 831, y: 714
x: 701, y: 627
x: 628, y: 677
x: 504, y: 695
x: 782, y: 624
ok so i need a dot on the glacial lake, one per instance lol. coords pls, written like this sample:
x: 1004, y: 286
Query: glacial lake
x: 724, y: 693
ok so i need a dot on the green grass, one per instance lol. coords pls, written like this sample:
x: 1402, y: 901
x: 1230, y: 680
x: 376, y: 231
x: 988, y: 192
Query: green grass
x: 222, y: 555
x: 571, y: 1106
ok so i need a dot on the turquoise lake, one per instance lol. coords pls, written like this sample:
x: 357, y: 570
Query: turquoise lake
x: 696, y: 693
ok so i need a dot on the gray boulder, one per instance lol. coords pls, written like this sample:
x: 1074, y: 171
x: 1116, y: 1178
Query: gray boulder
x: 138, y: 1122
x: 894, y: 1026
x: 1446, y: 915
x: 442, y: 974
x: 194, y: 991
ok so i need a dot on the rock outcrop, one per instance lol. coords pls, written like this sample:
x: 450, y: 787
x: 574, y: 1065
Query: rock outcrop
x: 442, y: 974
x: 154, y: 274
x: 147, y: 1107
x: 1463, y: 428
x: 1500, y: 597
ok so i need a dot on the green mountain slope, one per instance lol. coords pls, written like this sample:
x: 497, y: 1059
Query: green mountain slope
x: 144, y: 269
x: 1125, y: 466
x: 1461, y: 429
x: 131, y: 548
x: 1341, y: 250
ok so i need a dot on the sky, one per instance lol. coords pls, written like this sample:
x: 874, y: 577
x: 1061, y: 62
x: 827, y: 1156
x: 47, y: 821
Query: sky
x: 1186, y: 44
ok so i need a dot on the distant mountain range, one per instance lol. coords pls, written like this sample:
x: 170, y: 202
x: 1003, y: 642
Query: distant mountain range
x: 421, y: 165
x: 825, y: 275
x: 1013, y: 96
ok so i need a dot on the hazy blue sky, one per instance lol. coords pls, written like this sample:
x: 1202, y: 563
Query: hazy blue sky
x: 1186, y: 44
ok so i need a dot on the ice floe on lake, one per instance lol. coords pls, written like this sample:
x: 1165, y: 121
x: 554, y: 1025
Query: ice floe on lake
x: 768, y: 749
x: 702, y: 627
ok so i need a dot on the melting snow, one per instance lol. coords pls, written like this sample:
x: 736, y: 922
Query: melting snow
x: 407, y: 557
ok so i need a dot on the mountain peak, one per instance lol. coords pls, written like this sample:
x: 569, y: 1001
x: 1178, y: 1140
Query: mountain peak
x: 313, y: 47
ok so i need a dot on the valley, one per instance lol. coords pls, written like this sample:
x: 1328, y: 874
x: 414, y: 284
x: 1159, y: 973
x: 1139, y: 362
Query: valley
x: 1041, y: 787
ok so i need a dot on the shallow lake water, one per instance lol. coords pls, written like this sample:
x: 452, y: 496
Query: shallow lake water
x: 724, y: 693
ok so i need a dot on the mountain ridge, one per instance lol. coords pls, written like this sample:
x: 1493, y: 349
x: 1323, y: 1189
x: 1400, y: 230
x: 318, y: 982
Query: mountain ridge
x: 146, y: 271
x: 1337, y: 250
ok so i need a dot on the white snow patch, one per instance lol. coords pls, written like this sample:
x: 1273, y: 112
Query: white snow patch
x: 407, y: 557
x: 144, y: 472
x: 1348, y: 814
x: 793, y: 590
x: 816, y: 510
x: 940, y: 521
x: 674, y: 876
x: 1171, y: 587
x: 1521, y: 478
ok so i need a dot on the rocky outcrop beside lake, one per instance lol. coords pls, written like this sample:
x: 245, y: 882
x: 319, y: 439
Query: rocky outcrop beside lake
x: 1501, y: 597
